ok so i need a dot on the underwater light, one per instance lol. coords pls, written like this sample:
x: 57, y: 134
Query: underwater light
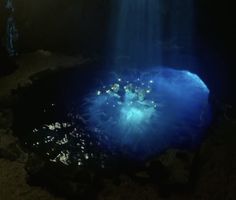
x: 147, y: 111
x: 132, y: 115
x: 126, y: 105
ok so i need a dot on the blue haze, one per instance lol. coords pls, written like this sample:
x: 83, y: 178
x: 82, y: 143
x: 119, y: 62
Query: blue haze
x: 173, y: 110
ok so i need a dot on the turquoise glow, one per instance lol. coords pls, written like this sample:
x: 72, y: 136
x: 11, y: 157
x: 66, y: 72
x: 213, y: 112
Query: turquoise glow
x: 132, y: 115
x: 136, y: 110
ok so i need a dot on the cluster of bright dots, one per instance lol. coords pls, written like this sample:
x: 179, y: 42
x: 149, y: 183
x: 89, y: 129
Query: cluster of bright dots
x: 129, y: 92
x: 126, y: 104
x: 131, y: 116
x: 67, y: 142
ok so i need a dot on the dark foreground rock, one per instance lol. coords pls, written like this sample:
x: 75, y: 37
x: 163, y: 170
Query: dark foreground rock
x: 68, y: 181
x: 216, y: 165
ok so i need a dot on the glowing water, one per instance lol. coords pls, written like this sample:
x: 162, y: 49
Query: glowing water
x: 150, y: 111
x: 135, y: 114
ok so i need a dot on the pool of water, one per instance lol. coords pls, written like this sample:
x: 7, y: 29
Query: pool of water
x: 93, y: 117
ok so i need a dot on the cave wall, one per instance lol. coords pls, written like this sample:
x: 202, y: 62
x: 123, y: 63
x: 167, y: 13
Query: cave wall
x: 74, y: 25
x: 61, y: 25
x: 216, y: 43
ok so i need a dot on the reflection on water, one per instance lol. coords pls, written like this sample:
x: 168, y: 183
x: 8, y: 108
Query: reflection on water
x: 69, y: 142
x: 72, y: 119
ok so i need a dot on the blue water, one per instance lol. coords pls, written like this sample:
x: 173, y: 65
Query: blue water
x: 93, y: 118
x: 146, y: 112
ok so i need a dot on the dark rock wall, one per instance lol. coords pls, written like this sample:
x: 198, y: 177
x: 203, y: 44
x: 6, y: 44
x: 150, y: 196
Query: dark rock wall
x: 216, y: 46
x: 61, y: 25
